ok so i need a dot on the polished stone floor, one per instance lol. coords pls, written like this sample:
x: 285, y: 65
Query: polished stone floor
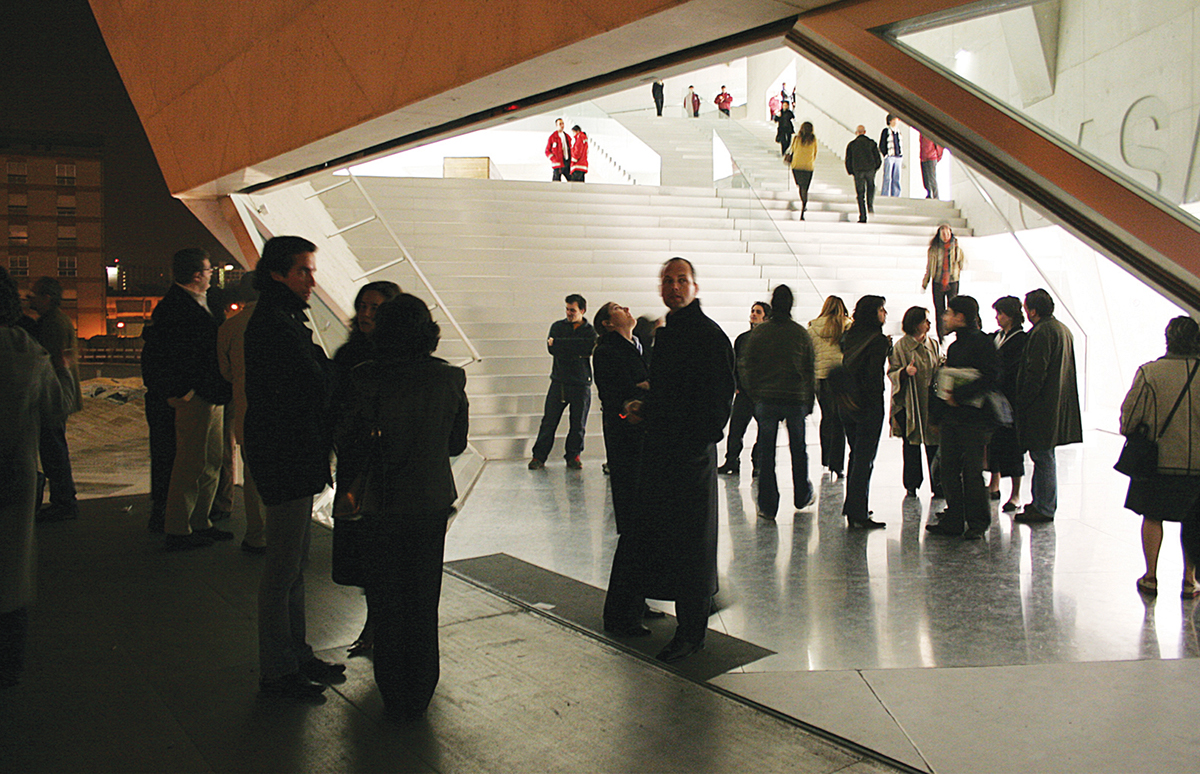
x: 826, y: 598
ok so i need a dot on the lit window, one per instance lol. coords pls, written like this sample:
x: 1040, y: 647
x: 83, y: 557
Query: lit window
x: 18, y: 265
x: 66, y: 206
x: 66, y: 266
x: 17, y: 171
x: 18, y: 204
x: 64, y: 174
x: 66, y: 236
x: 18, y: 235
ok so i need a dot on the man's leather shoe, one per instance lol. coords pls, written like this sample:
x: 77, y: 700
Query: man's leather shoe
x: 214, y: 534
x: 252, y: 549
x: 729, y: 470
x: 574, y: 463
x: 1032, y: 516
x: 536, y: 464
x: 216, y: 515
x: 807, y: 502
x: 651, y: 613
x: 322, y: 671
x: 678, y: 650
x: 973, y: 534
x: 186, y: 542
x: 627, y: 630
x: 766, y: 516
x: 295, y: 686
x: 944, y: 530
x: 867, y: 523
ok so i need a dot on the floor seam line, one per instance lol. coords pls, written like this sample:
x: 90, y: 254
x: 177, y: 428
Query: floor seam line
x: 862, y: 676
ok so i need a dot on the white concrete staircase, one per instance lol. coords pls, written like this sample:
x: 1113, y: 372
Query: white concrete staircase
x: 503, y: 254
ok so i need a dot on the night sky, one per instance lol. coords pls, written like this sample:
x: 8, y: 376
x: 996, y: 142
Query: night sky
x: 56, y: 78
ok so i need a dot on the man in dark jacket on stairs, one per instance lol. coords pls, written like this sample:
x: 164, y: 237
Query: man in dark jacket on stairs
x: 863, y: 161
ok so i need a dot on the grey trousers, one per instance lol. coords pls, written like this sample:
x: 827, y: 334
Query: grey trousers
x: 282, y: 639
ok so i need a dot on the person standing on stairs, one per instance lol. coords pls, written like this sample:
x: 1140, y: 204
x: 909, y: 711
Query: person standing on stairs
x: 579, y: 153
x: 862, y: 162
x: 558, y: 150
x: 691, y: 103
x: 893, y: 159
x: 931, y: 154
x: 724, y: 101
x: 657, y: 92
x: 570, y: 341
x: 783, y: 135
x: 944, y: 264
x: 801, y: 155
x: 743, y: 407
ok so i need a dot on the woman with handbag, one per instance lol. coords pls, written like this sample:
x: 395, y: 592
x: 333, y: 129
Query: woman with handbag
x: 1005, y: 458
x: 911, y: 364
x: 1162, y: 409
x: 357, y: 349
x: 415, y: 405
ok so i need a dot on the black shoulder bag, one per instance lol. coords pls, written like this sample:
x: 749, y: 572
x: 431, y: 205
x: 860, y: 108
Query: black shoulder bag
x: 1139, y: 457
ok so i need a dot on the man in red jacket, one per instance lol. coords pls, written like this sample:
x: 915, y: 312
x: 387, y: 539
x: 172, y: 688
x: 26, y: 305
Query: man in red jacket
x: 724, y: 101
x: 579, y: 148
x: 558, y: 150
x: 931, y: 154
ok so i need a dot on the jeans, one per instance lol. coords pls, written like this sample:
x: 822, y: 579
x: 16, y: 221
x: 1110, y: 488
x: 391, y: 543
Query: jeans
x: 1045, y: 481
x: 579, y: 398
x: 891, y: 175
x: 739, y: 419
x: 282, y: 631
x: 864, y: 189
x: 862, y: 431
x: 768, y: 416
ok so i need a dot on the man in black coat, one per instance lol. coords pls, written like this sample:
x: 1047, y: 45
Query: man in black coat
x: 966, y: 425
x: 570, y: 341
x: 863, y: 161
x: 188, y: 378
x: 691, y: 387
x: 288, y: 442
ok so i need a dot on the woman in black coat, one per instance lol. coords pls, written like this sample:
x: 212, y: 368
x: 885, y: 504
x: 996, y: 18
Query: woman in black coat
x: 865, y: 351
x: 359, y: 349
x: 783, y: 135
x: 1005, y: 459
x: 418, y: 403
x: 620, y: 373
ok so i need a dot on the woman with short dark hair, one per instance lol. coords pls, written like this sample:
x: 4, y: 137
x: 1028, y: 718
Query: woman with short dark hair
x: 415, y: 405
x: 1005, y: 458
x: 1173, y: 492
x: 911, y: 364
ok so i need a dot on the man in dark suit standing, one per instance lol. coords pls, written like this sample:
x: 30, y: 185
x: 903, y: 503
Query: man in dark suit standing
x: 691, y: 388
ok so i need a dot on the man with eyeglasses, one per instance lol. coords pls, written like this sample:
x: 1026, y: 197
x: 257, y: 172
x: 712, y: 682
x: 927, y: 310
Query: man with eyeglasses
x: 182, y: 368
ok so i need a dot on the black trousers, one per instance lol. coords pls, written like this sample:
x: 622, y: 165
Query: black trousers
x: 864, y: 189
x: 785, y: 143
x: 962, y: 451
x: 739, y: 419
x: 161, y: 419
x: 863, y: 428
x: 577, y: 175
x: 658, y: 105
x: 692, y: 613
x: 56, y: 462
x: 833, y: 434
x: 913, y: 475
x: 563, y: 172
x: 406, y: 584
x: 940, y: 297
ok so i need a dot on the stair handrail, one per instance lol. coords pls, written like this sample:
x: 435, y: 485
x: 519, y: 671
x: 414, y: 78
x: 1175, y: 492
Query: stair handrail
x: 749, y: 184
x: 624, y: 172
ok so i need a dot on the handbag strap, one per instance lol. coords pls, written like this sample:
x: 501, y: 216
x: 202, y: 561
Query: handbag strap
x: 1179, y: 400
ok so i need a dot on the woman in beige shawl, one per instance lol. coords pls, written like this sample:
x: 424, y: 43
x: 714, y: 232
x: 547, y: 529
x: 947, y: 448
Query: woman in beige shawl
x: 911, y: 365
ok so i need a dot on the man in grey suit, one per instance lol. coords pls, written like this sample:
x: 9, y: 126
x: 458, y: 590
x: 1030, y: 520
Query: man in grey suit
x: 1047, y: 405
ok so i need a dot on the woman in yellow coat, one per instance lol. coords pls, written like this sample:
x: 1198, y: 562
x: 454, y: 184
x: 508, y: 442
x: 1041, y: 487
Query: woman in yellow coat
x: 801, y: 156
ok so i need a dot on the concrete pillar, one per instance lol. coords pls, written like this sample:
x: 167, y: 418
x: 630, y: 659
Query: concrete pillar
x: 761, y: 72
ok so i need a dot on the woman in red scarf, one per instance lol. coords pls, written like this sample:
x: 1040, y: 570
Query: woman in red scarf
x: 945, y: 263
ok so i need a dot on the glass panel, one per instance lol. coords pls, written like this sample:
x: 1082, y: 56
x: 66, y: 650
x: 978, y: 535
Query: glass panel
x: 1116, y: 80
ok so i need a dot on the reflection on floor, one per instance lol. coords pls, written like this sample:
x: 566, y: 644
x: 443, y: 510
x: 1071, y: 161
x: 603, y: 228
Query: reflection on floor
x: 857, y: 619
